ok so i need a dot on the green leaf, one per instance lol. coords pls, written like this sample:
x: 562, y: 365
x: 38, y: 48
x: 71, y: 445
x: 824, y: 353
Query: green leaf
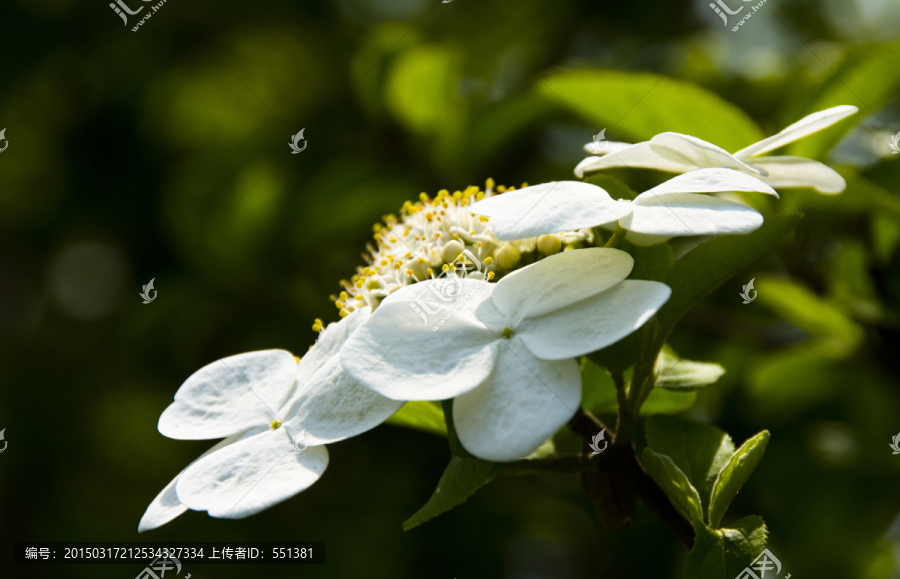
x: 704, y: 269
x: 598, y: 392
x: 675, y: 484
x: 653, y: 262
x: 640, y: 105
x: 698, y: 449
x: 460, y: 480
x: 839, y: 335
x: 872, y: 72
x: 678, y: 374
x: 615, y: 188
x: 662, y: 401
x: 724, y: 553
x: 421, y: 415
x: 733, y: 476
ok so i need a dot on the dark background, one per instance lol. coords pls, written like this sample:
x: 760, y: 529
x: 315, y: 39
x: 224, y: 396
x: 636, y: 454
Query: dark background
x: 163, y: 154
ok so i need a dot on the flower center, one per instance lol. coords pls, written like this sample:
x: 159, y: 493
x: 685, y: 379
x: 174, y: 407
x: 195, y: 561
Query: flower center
x: 276, y: 424
x: 507, y: 333
x: 624, y: 200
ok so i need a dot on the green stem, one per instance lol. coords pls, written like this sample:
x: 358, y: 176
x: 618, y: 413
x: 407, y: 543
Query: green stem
x: 617, y: 237
x: 624, y: 418
x: 642, y: 378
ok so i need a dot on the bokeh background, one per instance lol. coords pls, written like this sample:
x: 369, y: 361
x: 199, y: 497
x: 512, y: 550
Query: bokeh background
x: 163, y: 154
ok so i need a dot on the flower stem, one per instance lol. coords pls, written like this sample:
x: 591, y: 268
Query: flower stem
x: 617, y: 237
x: 624, y: 417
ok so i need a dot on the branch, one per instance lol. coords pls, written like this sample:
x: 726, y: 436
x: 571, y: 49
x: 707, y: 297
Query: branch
x: 619, y: 461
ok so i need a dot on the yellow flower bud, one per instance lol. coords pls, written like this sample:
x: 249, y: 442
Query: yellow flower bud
x: 507, y: 257
x: 549, y: 244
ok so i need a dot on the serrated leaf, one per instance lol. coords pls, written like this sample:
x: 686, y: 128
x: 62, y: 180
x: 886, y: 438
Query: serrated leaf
x: 679, y: 374
x: 462, y: 477
x: 724, y: 553
x: 424, y: 415
x: 675, y: 484
x: 608, y: 98
x: 698, y: 449
x: 704, y: 269
x: 734, y: 474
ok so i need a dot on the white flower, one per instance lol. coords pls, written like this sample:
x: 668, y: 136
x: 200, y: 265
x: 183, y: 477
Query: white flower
x: 677, y: 153
x: 505, y: 350
x: 267, y: 404
x: 672, y: 209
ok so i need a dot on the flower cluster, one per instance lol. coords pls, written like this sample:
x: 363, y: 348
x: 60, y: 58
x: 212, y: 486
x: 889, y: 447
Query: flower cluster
x: 434, y: 235
x: 516, y: 294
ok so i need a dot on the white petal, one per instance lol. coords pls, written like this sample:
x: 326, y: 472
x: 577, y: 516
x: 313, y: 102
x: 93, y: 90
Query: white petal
x: 638, y: 156
x: 799, y: 172
x: 711, y: 181
x: 522, y: 404
x: 605, y: 147
x: 594, y: 323
x: 806, y: 126
x: 333, y: 406
x: 548, y: 208
x: 329, y: 344
x: 166, y: 505
x: 686, y: 214
x: 424, y: 342
x: 250, y: 475
x: 559, y: 280
x: 695, y: 152
x: 230, y: 395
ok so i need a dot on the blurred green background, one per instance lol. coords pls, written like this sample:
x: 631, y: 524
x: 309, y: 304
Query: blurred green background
x: 163, y: 154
